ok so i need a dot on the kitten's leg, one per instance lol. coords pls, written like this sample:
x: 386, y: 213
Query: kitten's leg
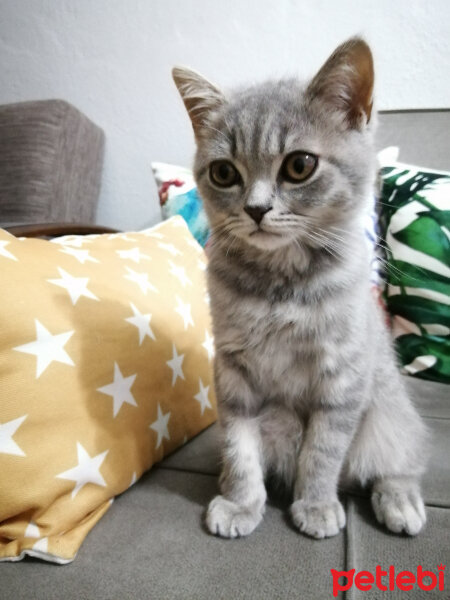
x: 389, y: 451
x: 281, y: 435
x: 398, y: 504
x: 316, y: 510
x: 240, y: 508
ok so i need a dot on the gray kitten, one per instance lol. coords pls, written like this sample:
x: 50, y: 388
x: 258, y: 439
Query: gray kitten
x: 305, y: 374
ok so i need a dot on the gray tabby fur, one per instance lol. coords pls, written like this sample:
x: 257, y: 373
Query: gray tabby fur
x: 305, y: 375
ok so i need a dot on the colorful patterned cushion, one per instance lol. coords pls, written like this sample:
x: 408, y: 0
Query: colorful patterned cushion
x: 105, y: 356
x: 415, y: 222
x: 178, y: 196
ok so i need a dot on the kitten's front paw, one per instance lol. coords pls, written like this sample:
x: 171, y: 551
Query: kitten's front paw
x: 318, y: 519
x: 400, y: 511
x: 228, y: 519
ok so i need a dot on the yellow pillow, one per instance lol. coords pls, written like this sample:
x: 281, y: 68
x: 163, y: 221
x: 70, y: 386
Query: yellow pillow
x: 105, y: 367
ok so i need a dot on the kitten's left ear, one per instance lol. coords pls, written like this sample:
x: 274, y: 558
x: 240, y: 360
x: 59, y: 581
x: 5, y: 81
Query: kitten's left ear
x: 200, y: 97
x: 345, y: 82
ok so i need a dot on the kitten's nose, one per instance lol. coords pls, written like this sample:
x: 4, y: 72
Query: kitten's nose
x: 257, y: 211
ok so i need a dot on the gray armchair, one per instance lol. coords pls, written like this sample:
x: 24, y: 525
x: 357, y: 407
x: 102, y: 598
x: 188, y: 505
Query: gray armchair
x: 51, y: 159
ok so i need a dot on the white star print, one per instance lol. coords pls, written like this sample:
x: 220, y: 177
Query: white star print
x: 170, y: 248
x: 81, y: 255
x: 133, y: 254
x: 202, y: 397
x: 41, y: 545
x: 4, y: 252
x: 207, y: 299
x: 87, y: 470
x: 208, y: 345
x: 184, y: 310
x: 178, y: 222
x: 47, y: 348
x: 175, y: 364
x: 142, y: 322
x: 180, y: 273
x: 32, y: 530
x: 194, y: 244
x: 119, y: 389
x: 122, y: 236
x: 160, y: 426
x: 141, y: 279
x: 150, y: 233
x: 7, y: 430
x: 201, y: 265
x: 75, y: 286
x: 71, y: 240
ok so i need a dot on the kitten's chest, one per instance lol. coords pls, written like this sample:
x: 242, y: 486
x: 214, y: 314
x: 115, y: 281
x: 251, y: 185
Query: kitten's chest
x: 279, y: 345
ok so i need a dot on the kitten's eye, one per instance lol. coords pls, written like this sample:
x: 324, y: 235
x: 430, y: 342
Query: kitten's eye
x: 298, y: 166
x: 223, y: 174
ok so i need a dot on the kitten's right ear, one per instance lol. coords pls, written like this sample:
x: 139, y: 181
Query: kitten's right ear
x: 200, y: 96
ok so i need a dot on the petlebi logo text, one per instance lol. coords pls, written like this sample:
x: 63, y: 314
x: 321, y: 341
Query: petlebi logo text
x: 389, y: 579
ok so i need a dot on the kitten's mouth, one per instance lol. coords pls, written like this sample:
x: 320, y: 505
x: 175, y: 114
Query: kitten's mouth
x: 267, y: 239
x: 262, y: 232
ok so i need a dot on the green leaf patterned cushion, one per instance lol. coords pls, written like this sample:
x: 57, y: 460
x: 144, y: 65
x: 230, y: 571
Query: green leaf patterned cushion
x: 415, y: 223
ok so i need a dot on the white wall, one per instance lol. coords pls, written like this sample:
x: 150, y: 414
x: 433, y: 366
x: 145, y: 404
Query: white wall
x: 112, y: 59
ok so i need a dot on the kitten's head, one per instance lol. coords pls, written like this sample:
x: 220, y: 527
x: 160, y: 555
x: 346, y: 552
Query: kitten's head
x: 282, y: 162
